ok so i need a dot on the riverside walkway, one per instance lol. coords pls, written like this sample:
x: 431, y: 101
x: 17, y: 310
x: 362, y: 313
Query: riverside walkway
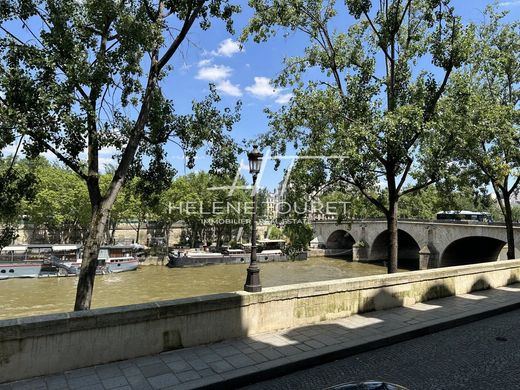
x: 238, y: 362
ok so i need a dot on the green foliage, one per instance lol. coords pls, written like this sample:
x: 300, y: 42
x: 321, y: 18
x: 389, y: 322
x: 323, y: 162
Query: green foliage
x: 299, y: 235
x: 275, y: 233
x: 81, y: 76
x: 61, y: 199
x: 16, y: 186
x: 209, y: 210
x: 372, y: 126
x: 484, y: 103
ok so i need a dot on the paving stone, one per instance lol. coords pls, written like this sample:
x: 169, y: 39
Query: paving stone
x: 288, y: 350
x: 257, y: 357
x: 155, y: 369
x: 226, y: 351
x: 314, y: 344
x: 130, y: 370
x: 88, y: 380
x: 198, y: 364
x: 206, y: 372
x: 147, y: 360
x: 80, y: 372
x: 138, y: 382
x: 207, y: 381
x: 108, y: 371
x: 170, y: 357
x: 97, y: 386
x: 270, y: 353
x: 56, y: 382
x: 179, y: 366
x: 30, y: 384
x: 220, y: 366
x: 239, y: 361
x: 188, y: 376
x: 111, y: 383
x: 162, y: 381
x: 210, y: 357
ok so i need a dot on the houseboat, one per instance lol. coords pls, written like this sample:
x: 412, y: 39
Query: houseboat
x: 267, y: 251
x: 31, y: 261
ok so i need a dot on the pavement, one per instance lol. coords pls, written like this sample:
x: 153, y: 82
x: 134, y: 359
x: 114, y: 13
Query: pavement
x: 482, y: 355
x: 240, y: 362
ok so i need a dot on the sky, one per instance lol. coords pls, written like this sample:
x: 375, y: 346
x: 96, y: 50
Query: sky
x: 244, y: 73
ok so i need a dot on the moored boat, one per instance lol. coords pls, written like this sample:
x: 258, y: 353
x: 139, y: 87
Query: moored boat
x: 268, y: 250
x: 31, y: 261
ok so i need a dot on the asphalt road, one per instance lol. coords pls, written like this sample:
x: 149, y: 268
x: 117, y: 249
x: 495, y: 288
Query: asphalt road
x: 481, y: 355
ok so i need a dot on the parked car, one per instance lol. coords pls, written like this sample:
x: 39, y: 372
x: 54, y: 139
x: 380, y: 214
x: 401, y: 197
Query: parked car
x: 369, y: 385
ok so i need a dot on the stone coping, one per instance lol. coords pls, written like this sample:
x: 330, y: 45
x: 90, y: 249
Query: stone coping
x: 35, y: 326
x: 415, y: 222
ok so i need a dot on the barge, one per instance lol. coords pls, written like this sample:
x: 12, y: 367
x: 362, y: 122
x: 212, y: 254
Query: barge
x: 34, y: 261
x: 268, y: 251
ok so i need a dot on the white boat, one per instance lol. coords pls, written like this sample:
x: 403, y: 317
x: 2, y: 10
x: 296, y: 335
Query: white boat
x: 31, y: 261
x: 114, y: 258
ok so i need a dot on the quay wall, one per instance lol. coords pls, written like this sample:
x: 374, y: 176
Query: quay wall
x: 39, y: 345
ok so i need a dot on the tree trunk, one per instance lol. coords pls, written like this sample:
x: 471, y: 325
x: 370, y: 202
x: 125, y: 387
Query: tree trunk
x: 90, y: 254
x: 508, y: 217
x: 391, y: 220
x: 138, y: 231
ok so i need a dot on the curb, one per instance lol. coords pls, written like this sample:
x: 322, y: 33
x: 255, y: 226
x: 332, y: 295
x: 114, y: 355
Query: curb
x: 327, y: 357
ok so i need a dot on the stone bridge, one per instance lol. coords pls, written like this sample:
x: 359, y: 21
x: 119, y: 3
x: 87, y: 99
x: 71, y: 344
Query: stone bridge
x: 422, y: 244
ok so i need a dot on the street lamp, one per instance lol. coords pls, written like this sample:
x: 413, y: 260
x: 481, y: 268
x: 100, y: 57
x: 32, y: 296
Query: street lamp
x: 253, y: 272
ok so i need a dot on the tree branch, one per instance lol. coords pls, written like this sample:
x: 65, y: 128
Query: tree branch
x: 188, y: 22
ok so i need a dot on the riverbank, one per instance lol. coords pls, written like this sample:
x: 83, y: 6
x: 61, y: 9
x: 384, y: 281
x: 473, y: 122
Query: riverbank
x: 44, y: 345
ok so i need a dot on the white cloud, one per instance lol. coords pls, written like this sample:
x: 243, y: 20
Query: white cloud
x: 284, y: 98
x: 509, y: 3
x: 205, y: 62
x: 227, y: 88
x: 262, y: 88
x: 227, y: 48
x: 214, y: 73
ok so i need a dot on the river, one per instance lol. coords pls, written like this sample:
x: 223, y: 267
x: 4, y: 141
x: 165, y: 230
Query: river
x: 26, y: 297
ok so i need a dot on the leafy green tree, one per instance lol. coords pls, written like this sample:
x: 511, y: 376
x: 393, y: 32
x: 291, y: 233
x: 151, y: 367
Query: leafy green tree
x: 275, y: 233
x: 484, y: 103
x: 16, y: 185
x: 60, y: 204
x: 129, y: 207
x: 203, y: 203
x: 85, y: 75
x: 361, y: 95
x: 299, y: 235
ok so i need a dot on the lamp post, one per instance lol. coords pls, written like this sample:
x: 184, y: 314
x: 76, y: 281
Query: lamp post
x: 253, y: 272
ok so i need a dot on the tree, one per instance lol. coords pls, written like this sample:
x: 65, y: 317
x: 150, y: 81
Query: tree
x: 204, y: 204
x: 362, y: 97
x: 60, y: 203
x: 484, y: 99
x: 92, y: 78
x: 16, y: 185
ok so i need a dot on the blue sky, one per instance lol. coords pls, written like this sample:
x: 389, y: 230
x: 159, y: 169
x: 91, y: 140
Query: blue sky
x: 214, y: 56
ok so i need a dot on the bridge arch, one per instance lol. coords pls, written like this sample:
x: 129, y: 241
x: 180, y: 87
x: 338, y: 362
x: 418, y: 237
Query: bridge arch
x: 340, y: 241
x: 470, y: 250
x: 408, y: 249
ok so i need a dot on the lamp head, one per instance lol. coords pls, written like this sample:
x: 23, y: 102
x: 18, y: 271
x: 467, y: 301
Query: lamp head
x: 255, y: 160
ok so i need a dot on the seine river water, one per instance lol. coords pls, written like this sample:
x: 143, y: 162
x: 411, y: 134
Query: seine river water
x: 26, y: 297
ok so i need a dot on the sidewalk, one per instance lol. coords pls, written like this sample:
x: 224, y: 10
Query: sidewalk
x: 234, y: 363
